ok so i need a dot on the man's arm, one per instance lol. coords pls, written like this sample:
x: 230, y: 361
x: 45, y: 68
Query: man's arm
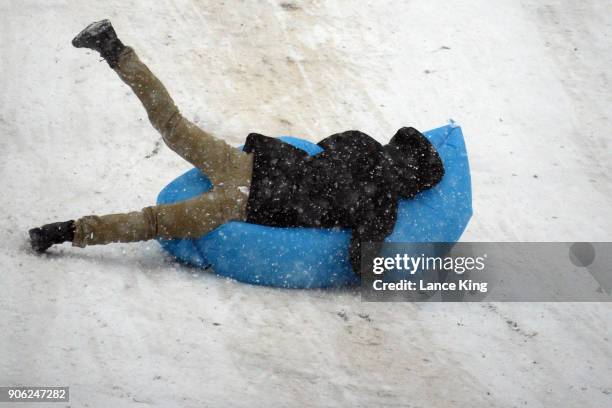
x: 372, y: 231
x: 351, y: 139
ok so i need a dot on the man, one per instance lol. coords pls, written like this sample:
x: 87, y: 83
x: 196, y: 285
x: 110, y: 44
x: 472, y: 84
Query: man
x: 354, y: 183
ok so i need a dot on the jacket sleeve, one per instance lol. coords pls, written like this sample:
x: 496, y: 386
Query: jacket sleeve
x: 351, y: 139
x: 372, y: 232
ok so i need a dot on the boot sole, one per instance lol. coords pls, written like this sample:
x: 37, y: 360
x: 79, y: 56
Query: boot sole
x: 87, y: 37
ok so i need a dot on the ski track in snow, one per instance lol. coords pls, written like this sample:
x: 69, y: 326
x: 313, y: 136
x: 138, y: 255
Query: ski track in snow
x: 123, y: 325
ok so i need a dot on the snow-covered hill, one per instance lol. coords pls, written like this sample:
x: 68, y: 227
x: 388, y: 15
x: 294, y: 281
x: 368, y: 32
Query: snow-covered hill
x: 123, y: 325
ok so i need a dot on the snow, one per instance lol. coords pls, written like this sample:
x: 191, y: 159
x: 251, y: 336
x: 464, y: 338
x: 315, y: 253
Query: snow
x: 123, y: 325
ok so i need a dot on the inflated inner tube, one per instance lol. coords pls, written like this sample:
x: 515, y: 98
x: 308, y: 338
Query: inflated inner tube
x: 317, y: 257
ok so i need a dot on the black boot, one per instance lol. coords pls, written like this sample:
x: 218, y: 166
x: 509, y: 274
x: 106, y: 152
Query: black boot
x: 100, y: 36
x: 42, y: 238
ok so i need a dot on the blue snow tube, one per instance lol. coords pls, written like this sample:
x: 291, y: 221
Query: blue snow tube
x: 318, y: 258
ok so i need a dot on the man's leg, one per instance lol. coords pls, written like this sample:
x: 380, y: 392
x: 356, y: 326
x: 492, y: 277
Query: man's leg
x: 186, y: 219
x: 218, y: 160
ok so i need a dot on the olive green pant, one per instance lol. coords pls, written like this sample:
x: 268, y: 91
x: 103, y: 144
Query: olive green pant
x: 228, y: 169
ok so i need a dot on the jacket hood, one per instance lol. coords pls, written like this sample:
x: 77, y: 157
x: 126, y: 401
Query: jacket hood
x: 417, y: 164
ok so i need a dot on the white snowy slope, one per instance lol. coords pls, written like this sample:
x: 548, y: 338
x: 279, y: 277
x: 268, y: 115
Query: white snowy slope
x: 123, y: 325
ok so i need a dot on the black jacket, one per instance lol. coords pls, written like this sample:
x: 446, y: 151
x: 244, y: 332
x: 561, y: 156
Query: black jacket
x: 355, y: 182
